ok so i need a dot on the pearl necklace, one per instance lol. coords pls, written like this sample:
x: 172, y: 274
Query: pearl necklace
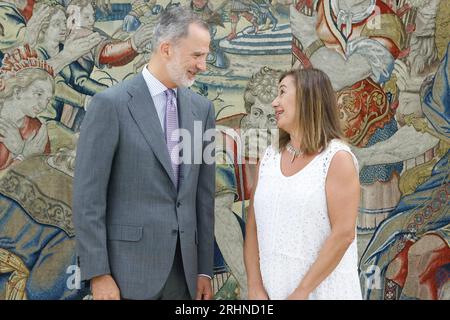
x: 292, y: 150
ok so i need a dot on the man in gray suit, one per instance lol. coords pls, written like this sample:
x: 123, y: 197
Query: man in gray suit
x: 143, y: 210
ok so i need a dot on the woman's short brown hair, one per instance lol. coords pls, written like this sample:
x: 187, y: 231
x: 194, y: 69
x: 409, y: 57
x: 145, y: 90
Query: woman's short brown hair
x: 316, y: 110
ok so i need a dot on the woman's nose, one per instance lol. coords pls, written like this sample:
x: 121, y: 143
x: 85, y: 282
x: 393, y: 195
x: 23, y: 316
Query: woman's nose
x: 275, y: 102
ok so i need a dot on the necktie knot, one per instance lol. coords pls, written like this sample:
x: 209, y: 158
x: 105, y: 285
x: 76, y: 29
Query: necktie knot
x: 170, y: 93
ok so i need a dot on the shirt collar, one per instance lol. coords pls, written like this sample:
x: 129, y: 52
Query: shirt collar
x: 154, y: 85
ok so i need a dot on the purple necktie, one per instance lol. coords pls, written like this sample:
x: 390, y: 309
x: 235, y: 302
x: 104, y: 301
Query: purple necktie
x: 171, y: 126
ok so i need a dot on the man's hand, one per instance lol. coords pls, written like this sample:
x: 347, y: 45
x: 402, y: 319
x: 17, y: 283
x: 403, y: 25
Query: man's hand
x: 10, y: 137
x: 204, y: 289
x: 76, y: 45
x: 36, y: 144
x: 74, y: 48
x: 303, y: 27
x: 104, y: 288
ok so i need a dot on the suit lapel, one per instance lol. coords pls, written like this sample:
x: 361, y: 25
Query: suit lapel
x: 144, y: 113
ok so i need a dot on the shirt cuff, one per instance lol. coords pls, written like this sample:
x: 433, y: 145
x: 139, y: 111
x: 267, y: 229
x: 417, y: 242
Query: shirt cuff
x: 204, y: 275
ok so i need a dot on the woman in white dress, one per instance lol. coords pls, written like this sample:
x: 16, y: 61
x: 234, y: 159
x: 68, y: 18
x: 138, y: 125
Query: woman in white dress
x: 301, y: 227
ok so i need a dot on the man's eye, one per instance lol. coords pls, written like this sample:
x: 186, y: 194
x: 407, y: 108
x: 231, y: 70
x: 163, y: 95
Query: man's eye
x: 256, y: 113
x: 272, y: 119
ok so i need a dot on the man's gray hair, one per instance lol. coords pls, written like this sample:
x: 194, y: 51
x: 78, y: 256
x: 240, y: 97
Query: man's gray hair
x: 173, y: 25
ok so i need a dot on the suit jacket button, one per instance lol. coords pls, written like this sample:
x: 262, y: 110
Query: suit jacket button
x: 178, y: 204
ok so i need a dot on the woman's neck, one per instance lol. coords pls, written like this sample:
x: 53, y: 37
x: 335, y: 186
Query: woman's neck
x: 51, y: 46
x: 11, y: 112
x: 296, y: 141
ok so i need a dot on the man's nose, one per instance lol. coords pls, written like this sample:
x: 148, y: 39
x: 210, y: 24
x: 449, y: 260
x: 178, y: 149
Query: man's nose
x: 264, y: 123
x: 202, y: 65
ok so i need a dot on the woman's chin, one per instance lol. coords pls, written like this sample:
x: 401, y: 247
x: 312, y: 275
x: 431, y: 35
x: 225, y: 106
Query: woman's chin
x: 280, y: 125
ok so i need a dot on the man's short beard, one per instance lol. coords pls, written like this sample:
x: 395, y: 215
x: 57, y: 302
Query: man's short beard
x: 177, y: 74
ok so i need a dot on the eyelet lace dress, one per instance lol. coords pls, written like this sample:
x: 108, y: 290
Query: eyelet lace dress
x: 292, y: 222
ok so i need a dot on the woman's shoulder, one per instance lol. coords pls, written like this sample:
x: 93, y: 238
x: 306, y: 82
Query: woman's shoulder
x: 338, y: 144
x: 340, y: 152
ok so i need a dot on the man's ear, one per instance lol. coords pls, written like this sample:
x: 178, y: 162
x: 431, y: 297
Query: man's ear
x: 165, y: 49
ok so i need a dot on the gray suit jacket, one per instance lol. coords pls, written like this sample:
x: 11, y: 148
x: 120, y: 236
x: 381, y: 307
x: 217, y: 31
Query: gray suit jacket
x: 127, y: 210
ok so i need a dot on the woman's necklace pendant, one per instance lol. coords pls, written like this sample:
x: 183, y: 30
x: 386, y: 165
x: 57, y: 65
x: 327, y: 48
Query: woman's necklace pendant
x: 295, y: 152
x: 293, y: 157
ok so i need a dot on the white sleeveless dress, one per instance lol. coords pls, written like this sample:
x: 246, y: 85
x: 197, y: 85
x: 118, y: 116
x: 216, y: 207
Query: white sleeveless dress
x: 292, y: 225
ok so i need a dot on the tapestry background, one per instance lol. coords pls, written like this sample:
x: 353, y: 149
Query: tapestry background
x: 387, y: 60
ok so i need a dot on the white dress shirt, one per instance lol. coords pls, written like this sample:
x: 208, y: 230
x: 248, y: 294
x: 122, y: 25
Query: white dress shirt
x: 157, y: 90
